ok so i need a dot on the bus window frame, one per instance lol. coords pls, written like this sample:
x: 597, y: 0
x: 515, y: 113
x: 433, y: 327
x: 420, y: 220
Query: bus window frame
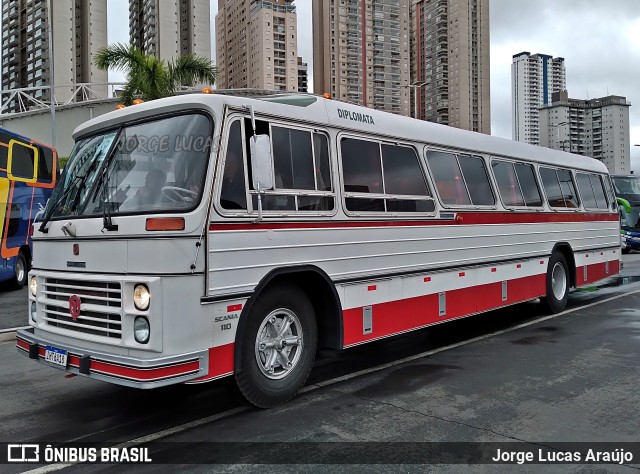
x: 251, y: 211
x: 472, y: 154
x: 533, y: 165
x: 572, y: 172
x: 383, y: 196
x: 36, y: 156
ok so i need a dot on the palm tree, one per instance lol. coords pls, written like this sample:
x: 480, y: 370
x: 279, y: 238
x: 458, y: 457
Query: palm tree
x: 150, y: 78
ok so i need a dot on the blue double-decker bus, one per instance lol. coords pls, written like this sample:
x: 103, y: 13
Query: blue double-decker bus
x: 28, y: 172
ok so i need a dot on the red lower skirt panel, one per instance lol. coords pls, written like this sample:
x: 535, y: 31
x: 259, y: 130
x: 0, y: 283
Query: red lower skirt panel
x: 220, y: 363
x: 403, y: 315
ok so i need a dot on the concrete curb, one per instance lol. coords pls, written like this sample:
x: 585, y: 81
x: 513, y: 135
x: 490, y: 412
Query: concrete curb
x: 9, y: 334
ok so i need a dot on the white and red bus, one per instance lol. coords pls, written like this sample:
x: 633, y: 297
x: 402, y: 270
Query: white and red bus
x: 205, y: 236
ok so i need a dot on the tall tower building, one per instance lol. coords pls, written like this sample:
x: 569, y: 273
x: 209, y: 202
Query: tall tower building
x: 257, y: 44
x: 361, y: 52
x: 534, y: 78
x: 451, y: 62
x: 79, y: 29
x: 171, y: 28
x: 598, y: 128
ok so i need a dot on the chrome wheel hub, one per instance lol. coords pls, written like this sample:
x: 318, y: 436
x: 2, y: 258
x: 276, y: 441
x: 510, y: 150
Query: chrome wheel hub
x: 279, y: 343
x: 559, y: 281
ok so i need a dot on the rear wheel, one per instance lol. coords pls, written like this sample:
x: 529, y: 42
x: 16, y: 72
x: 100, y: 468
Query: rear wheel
x: 278, y: 347
x: 558, y: 283
x: 21, y: 271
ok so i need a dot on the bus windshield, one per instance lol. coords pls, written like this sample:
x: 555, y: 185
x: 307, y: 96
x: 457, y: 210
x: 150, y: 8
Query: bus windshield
x: 151, y: 167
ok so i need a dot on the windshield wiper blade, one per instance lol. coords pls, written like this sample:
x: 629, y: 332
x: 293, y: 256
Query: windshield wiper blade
x: 48, y: 215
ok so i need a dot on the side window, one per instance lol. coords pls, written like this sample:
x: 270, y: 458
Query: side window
x: 461, y: 179
x: 592, y: 191
x: 568, y: 189
x: 233, y: 194
x: 599, y: 192
x: 510, y: 192
x: 448, y: 177
x: 390, y: 172
x: 559, y: 187
x: 23, y: 161
x: 527, y: 179
x: 475, y: 176
x: 301, y: 166
x: 586, y: 191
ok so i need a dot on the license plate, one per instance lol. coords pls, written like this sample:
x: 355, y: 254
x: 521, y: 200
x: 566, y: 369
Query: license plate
x: 56, y: 356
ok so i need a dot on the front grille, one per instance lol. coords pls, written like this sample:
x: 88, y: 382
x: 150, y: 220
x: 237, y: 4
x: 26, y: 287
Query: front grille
x: 99, y: 311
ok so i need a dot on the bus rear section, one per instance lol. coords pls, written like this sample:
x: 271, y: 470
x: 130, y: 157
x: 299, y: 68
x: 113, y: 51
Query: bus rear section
x: 28, y: 172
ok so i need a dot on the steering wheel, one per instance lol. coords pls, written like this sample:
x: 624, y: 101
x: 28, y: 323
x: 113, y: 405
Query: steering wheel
x: 176, y: 194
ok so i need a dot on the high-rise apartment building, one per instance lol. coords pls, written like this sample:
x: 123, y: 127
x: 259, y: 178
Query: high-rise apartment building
x: 79, y: 29
x: 171, y: 28
x: 451, y: 62
x: 257, y: 44
x: 303, y: 76
x: 361, y: 52
x: 534, y: 78
x: 598, y: 128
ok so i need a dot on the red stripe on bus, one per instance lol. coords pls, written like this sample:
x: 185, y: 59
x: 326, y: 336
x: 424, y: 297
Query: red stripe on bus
x: 469, y: 219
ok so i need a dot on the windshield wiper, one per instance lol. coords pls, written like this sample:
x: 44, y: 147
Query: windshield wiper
x: 48, y: 215
x: 107, y: 224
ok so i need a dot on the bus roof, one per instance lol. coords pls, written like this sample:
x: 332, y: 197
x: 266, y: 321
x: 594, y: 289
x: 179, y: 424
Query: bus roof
x: 328, y: 112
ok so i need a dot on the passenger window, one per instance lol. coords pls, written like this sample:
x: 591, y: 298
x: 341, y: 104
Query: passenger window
x: 292, y: 159
x: 599, y: 192
x: 233, y: 194
x: 592, y: 191
x: 448, y: 177
x: 559, y: 187
x: 301, y: 169
x: 361, y: 166
x: 586, y: 191
x: 528, y: 185
x: 508, y: 185
x: 391, y: 171
x: 568, y: 189
x: 475, y: 176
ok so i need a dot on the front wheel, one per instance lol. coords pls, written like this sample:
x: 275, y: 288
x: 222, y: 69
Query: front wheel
x: 558, y: 283
x: 278, y: 347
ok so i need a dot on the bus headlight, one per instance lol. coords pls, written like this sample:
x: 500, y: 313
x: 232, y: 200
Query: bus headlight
x: 141, y: 297
x: 141, y: 330
x: 34, y: 286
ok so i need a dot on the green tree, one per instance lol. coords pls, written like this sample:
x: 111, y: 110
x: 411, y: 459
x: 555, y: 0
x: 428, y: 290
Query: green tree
x: 150, y: 78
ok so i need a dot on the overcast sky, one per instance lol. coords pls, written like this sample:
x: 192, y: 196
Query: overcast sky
x: 599, y: 40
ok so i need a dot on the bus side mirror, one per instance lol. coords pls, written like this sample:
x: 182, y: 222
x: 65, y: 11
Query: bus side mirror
x: 261, y: 170
x: 22, y: 162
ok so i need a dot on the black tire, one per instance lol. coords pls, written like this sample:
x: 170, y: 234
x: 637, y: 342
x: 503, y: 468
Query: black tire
x: 21, y: 272
x: 259, y: 387
x: 557, y: 285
